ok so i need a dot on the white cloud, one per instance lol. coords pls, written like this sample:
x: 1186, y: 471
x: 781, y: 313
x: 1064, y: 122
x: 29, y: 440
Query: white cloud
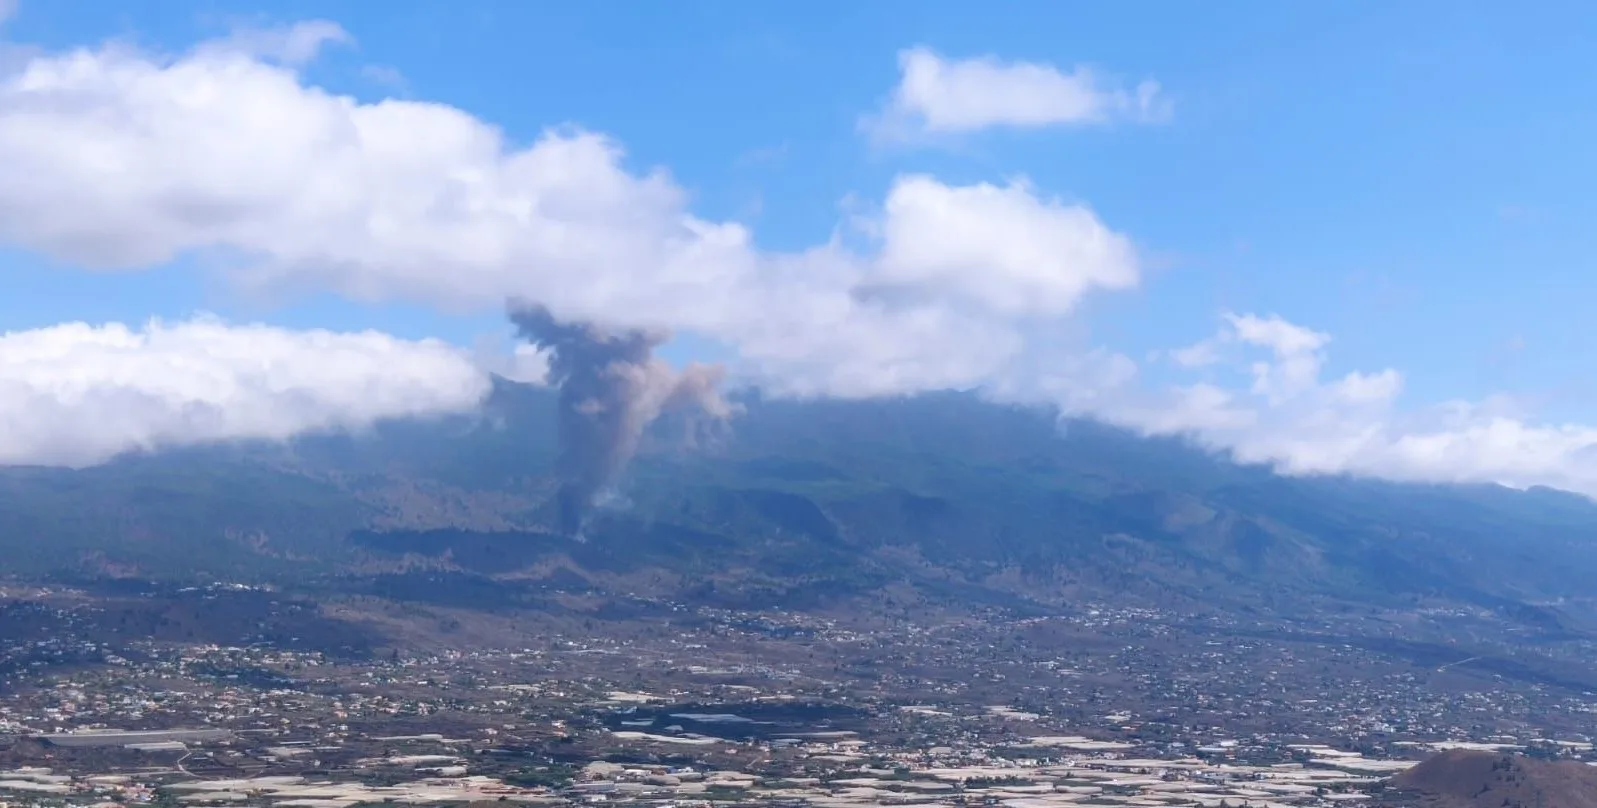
x: 1369, y: 388
x: 1294, y: 366
x: 512, y: 359
x: 1001, y: 247
x: 295, y: 45
x: 78, y: 394
x: 1196, y: 355
x: 386, y: 77
x: 121, y: 160
x: 1292, y: 419
x: 940, y: 96
x: 1284, y: 339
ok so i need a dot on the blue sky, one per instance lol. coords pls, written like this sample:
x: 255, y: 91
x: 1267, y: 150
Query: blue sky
x: 1411, y: 179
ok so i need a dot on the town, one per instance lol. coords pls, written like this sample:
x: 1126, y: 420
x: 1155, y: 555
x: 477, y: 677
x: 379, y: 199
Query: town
x: 698, y: 705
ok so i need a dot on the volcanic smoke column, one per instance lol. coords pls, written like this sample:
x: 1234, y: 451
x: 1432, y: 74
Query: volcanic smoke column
x: 611, y: 388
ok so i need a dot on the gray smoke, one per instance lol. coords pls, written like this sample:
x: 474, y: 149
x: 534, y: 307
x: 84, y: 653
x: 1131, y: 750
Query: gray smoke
x: 611, y: 388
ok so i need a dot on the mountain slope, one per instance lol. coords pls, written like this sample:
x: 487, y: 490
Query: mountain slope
x: 807, y: 500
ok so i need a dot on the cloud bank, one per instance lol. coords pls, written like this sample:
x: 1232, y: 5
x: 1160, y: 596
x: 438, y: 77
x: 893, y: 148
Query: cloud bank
x: 118, y: 160
x: 1286, y: 414
x: 79, y: 394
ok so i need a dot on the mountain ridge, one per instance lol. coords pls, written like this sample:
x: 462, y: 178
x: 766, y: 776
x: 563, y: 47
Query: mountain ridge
x: 830, y: 496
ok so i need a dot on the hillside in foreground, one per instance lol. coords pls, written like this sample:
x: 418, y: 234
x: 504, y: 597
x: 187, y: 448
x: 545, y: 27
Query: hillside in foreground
x: 1469, y: 779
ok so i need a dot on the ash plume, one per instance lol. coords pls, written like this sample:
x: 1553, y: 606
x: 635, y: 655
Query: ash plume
x: 611, y: 388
